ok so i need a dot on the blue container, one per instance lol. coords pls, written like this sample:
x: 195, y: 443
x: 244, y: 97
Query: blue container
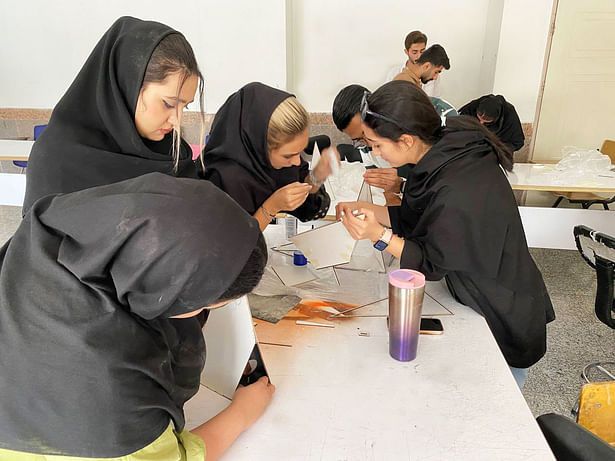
x: 299, y: 259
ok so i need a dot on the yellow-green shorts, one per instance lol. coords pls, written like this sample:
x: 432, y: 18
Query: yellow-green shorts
x: 170, y: 446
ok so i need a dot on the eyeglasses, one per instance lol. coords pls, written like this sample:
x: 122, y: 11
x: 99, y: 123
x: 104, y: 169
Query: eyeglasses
x: 359, y: 143
x: 365, y: 112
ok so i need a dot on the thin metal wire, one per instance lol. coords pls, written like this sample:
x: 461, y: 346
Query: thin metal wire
x: 598, y: 366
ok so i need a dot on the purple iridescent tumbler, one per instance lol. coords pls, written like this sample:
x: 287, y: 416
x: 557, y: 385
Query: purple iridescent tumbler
x: 406, y: 288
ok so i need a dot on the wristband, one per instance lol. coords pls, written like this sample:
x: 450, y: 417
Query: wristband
x: 266, y: 213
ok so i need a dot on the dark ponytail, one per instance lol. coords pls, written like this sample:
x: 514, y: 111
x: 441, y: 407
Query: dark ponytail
x: 414, y: 113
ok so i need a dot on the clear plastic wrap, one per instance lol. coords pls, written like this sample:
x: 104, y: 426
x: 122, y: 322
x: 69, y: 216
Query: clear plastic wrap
x: 582, y: 161
x: 578, y: 167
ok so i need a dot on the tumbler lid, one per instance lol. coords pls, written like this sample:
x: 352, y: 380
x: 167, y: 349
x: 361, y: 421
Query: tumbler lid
x: 406, y: 278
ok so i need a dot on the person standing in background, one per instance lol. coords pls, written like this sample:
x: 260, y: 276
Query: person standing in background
x: 414, y: 46
x: 426, y: 68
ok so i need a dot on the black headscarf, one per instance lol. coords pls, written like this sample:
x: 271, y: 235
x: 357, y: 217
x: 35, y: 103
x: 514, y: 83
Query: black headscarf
x: 506, y: 124
x: 92, y: 365
x: 91, y: 138
x: 236, y: 155
x: 460, y: 221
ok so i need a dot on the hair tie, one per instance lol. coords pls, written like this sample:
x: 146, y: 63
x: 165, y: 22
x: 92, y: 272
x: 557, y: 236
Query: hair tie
x: 443, y: 118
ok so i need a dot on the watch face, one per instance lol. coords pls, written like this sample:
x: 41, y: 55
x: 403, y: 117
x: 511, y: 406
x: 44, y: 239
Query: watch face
x: 380, y: 245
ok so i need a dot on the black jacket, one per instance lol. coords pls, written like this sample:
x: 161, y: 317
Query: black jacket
x: 460, y: 221
x: 507, y: 126
x: 91, y: 139
x: 236, y: 158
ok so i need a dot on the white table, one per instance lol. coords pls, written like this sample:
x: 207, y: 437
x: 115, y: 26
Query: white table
x: 12, y: 189
x: 15, y: 150
x: 553, y: 227
x: 340, y: 396
x: 545, y: 177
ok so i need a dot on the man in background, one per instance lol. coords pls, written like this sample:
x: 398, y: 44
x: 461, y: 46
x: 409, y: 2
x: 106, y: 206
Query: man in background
x: 414, y: 46
x: 426, y: 68
x: 347, y: 118
x: 499, y: 116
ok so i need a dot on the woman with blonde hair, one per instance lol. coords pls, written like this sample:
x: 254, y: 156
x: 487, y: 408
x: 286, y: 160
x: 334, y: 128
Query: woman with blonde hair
x: 121, y: 116
x: 254, y: 155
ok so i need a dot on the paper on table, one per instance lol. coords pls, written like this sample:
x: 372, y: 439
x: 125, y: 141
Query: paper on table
x: 293, y: 275
x: 314, y: 162
x: 365, y: 194
x: 231, y: 345
x: 326, y: 245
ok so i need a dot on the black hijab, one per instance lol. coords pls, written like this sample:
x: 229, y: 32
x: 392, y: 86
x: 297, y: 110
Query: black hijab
x: 236, y: 155
x: 506, y: 124
x: 460, y: 221
x: 91, y: 138
x: 92, y: 365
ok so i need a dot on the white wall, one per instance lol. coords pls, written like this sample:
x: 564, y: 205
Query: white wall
x: 311, y: 47
x: 523, y: 41
x: 235, y: 43
x: 338, y: 43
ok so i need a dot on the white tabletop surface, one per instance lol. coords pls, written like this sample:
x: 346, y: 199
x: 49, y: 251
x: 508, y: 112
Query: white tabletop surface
x: 340, y: 396
x: 11, y: 149
x: 12, y: 189
x: 530, y: 176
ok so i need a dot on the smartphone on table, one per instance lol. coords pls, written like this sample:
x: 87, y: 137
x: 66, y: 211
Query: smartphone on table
x: 431, y: 326
x: 428, y: 326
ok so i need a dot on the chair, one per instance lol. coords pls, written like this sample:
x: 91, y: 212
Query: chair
x: 591, y: 437
x: 571, y: 442
x: 598, y: 250
x: 596, y: 409
x: 38, y: 129
x: 588, y: 199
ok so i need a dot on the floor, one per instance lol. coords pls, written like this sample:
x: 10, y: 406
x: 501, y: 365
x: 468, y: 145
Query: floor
x: 575, y: 339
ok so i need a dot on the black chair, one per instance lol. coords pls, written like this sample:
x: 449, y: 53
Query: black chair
x: 567, y: 439
x: 571, y: 442
x: 598, y: 250
x: 321, y: 140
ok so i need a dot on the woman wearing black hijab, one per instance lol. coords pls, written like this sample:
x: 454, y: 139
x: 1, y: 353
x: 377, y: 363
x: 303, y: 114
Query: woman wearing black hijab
x: 254, y: 155
x: 500, y: 116
x: 121, y: 116
x: 458, y: 218
x: 99, y: 344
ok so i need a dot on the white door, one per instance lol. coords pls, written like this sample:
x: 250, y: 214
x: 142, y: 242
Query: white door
x: 578, y: 104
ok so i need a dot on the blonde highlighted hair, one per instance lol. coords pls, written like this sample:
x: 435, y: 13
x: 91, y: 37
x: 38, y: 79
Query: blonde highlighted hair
x: 288, y: 121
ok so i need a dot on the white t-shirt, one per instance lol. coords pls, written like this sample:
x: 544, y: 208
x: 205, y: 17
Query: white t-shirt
x: 431, y: 88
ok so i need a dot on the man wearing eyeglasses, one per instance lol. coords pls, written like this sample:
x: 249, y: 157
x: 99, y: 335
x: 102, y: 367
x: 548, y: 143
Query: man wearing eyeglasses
x: 347, y: 119
x: 426, y: 68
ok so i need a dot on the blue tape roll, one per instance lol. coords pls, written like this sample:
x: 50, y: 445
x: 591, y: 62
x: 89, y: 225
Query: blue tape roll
x: 299, y: 259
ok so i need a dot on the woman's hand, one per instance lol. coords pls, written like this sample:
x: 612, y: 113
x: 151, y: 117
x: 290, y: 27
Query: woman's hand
x: 384, y: 178
x: 325, y: 167
x: 288, y: 198
x: 248, y: 405
x: 362, y: 224
x: 343, y: 208
x: 249, y: 402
